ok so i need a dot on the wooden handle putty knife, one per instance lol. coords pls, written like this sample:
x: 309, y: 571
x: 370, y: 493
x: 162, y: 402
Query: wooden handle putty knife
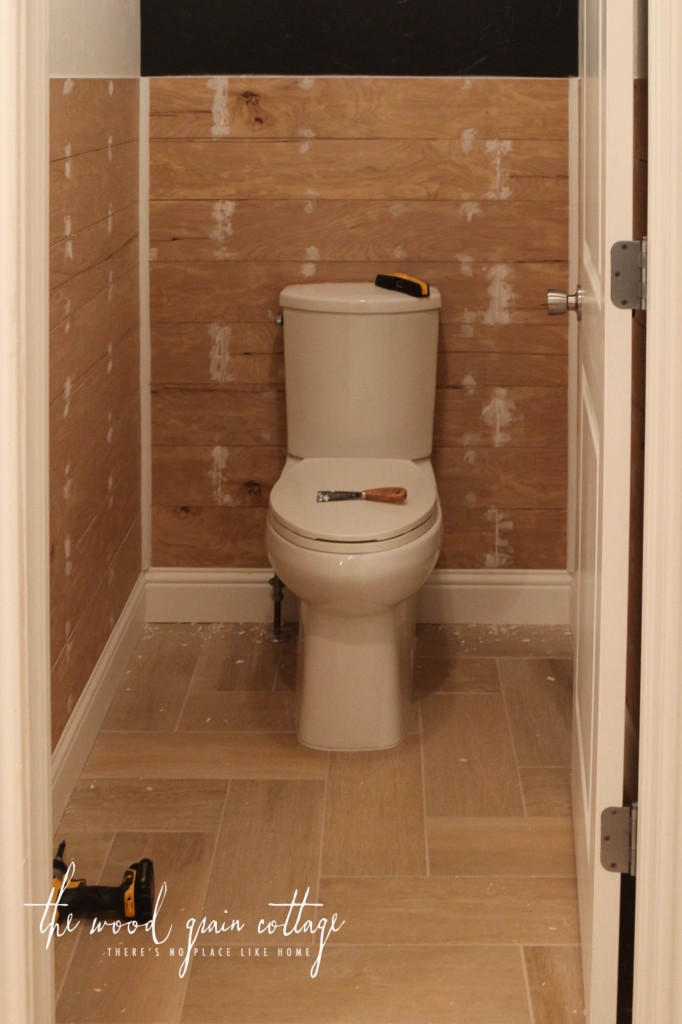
x: 394, y: 495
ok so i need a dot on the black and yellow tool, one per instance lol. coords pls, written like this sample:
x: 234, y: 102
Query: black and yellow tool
x: 132, y: 900
x: 403, y: 283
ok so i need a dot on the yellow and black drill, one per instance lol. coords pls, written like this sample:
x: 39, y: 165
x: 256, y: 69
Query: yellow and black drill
x: 133, y: 899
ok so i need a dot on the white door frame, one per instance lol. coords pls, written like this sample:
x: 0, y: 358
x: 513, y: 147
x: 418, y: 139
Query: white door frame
x: 26, y: 986
x: 658, y: 927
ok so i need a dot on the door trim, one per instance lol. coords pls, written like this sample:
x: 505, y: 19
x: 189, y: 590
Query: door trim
x: 26, y: 985
x: 658, y: 925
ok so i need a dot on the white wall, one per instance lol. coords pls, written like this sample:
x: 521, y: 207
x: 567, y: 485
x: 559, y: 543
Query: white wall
x: 94, y: 38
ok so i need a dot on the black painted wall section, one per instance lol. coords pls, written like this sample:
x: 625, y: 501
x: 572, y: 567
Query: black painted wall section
x: 524, y: 38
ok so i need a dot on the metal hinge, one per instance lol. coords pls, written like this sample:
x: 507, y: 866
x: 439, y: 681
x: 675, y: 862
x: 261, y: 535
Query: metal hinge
x: 628, y: 274
x: 619, y: 839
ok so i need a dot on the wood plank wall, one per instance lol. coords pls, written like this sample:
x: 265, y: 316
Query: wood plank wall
x: 261, y: 182
x: 94, y: 373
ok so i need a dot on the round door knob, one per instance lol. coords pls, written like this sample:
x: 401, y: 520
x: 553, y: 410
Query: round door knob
x: 562, y: 302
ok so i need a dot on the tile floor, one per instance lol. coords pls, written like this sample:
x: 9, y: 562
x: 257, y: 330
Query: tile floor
x: 448, y: 859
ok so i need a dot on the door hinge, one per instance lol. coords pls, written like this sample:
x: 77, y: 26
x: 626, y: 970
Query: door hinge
x: 619, y: 839
x: 628, y: 274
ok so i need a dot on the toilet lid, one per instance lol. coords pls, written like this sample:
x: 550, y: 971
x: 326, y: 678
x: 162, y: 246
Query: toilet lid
x: 293, y: 500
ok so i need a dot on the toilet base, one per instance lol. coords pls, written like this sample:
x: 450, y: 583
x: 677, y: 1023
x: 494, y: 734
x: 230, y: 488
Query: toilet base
x: 354, y: 677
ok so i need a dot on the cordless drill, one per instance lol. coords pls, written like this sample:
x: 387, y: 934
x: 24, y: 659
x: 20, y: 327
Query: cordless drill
x: 133, y: 899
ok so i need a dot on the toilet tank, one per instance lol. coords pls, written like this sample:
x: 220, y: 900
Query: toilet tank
x: 360, y: 371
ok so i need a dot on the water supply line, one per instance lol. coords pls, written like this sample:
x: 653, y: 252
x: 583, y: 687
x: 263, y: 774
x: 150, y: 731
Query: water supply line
x: 278, y: 635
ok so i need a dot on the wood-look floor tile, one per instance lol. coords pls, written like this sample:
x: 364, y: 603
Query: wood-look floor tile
x: 148, y: 804
x: 285, y: 677
x: 236, y: 656
x: 538, y: 697
x: 140, y: 987
x: 556, y: 984
x: 268, y: 848
x: 546, y: 791
x: 239, y: 710
x: 506, y: 846
x: 530, y: 911
x: 468, y: 756
x: 498, y: 641
x: 374, y: 823
x: 452, y: 673
x: 153, y: 689
x: 362, y: 985
x: 196, y: 755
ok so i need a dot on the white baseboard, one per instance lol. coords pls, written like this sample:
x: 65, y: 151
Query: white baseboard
x: 507, y: 597
x: 212, y: 595
x: 487, y: 597
x: 86, y: 719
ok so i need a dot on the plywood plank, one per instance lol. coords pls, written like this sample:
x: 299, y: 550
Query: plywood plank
x: 216, y: 353
x: 91, y: 333
x: 68, y: 297
x: 93, y: 478
x: 82, y: 251
x: 86, y: 416
x: 209, y: 537
x: 92, y: 113
x: 81, y: 648
x: 357, y: 230
x: 77, y: 569
x: 212, y: 417
x: 499, y: 416
x: 352, y: 107
x: 472, y: 293
x: 84, y: 189
x: 517, y: 478
x: 199, y: 475
x: 538, y: 338
x: 348, y: 169
x: 498, y: 538
x: 473, y: 371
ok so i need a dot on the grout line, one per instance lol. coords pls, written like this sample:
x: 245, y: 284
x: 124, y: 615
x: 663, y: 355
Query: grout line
x: 427, y: 859
x: 526, y: 980
x: 511, y: 736
x: 322, y: 828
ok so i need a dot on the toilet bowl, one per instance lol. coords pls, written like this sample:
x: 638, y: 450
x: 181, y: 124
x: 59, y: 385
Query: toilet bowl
x: 356, y: 570
x: 360, y: 381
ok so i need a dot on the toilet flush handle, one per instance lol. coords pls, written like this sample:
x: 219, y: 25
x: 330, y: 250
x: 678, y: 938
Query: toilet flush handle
x: 279, y: 319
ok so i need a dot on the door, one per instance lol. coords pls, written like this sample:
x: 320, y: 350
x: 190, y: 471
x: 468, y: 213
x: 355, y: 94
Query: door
x: 603, y: 480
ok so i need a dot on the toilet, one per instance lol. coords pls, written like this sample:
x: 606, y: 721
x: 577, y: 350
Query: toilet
x: 360, y: 377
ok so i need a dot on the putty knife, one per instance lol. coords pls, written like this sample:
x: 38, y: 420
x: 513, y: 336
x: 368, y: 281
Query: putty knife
x: 394, y: 495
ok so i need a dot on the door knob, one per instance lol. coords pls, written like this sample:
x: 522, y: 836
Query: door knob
x: 562, y: 302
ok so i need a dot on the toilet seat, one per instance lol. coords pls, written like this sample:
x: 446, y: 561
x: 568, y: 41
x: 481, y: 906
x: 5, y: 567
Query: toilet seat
x: 354, y: 525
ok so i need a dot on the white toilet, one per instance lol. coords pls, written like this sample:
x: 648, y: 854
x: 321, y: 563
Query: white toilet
x: 360, y: 372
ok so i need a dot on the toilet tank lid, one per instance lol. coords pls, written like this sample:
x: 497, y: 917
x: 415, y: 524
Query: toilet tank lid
x: 335, y: 297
